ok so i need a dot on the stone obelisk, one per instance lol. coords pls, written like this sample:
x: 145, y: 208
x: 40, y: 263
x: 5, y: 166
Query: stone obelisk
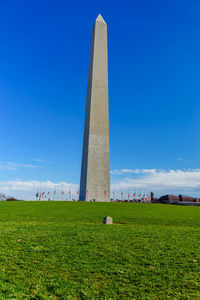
x: 95, y: 169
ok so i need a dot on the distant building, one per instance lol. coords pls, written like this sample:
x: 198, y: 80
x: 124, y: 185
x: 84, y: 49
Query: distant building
x: 11, y: 199
x: 180, y: 199
x: 4, y: 197
x: 169, y: 199
x: 183, y: 198
x: 152, y: 196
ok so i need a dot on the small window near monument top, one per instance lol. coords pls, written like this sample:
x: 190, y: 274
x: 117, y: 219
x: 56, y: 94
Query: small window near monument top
x: 107, y: 220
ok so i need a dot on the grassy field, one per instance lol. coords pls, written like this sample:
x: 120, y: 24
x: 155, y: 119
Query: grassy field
x: 59, y: 250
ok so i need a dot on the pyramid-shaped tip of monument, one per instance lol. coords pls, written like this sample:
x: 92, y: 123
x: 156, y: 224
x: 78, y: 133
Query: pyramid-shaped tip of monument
x: 100, y: 19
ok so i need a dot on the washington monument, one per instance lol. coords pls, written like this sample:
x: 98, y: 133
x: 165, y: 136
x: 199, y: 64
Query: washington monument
x: 95, y: 169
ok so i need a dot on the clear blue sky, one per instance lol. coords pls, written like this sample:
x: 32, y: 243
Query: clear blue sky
x: 154, y: 86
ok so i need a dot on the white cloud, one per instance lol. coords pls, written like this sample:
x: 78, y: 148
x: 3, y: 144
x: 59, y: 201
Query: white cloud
x: 186, y: 181
x: 41, y: 160
x: 133, y: 171
x: 182, y: 159
x: 38, y: 160
x: 10, y: 165
x: 138, y: 171
x: 116, y: 172
x: 27, y: 189
x: 160, y: 181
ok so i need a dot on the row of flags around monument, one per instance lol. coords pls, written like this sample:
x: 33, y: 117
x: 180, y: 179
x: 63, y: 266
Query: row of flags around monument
x: 132, y: 196
x: 71, y: 195
x: 57, y: 195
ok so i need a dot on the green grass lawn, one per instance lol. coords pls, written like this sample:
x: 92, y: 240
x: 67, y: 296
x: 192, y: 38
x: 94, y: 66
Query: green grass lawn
x: 60, y: 250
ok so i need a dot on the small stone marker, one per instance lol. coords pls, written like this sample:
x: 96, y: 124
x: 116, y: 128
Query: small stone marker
x: 107, y: 220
